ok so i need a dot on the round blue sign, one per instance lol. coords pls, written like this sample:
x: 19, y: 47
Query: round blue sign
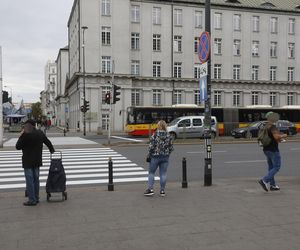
x: 204, y: 47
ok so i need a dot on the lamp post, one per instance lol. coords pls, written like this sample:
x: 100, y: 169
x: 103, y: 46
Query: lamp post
x: 10, y: 92
x: 83, y: 66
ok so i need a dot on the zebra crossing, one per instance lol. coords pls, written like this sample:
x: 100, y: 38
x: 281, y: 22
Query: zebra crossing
x: 82, y: 166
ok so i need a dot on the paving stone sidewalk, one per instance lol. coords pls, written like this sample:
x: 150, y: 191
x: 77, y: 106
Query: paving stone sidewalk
x: 232, y: 214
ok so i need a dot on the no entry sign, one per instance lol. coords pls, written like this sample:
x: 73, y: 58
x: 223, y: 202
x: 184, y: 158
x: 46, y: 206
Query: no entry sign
x: 204, y: 47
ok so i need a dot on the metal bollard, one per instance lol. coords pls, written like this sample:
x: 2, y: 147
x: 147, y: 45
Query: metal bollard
x: 184, y: 179
x: 64, y: 132
x: 110, y: 185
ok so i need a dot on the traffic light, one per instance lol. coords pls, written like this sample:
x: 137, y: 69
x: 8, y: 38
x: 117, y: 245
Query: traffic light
x: 82, y: 109
x: 86, y: 105
x: 107, y: 98
x: 116, y: 93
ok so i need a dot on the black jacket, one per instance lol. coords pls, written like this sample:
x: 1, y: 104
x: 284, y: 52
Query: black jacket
x: 32, y: 148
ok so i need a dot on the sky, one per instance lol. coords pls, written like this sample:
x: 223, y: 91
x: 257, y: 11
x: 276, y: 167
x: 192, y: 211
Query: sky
x: 31, y: 33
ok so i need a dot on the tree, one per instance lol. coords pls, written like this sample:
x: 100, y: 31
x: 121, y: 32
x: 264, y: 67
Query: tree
x: 36, y: 110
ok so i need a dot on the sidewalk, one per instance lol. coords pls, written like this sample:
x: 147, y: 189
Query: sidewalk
x: 232, y: 214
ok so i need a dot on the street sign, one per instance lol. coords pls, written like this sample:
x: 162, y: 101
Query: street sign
x: 203, y: 69
x: 204, y: 47
x: 203, y: 89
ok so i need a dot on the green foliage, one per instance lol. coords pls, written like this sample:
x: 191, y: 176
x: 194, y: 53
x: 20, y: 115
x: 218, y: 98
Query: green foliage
x: 36, y: 110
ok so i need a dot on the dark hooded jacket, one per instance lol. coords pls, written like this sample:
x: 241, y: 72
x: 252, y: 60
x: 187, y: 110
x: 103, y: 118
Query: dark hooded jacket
x: 160, y: 143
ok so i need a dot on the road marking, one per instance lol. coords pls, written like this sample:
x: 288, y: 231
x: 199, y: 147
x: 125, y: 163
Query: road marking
x: 201, y: 152
x: 230, y: 162
x: 128, y: 139
x: 295, y: 149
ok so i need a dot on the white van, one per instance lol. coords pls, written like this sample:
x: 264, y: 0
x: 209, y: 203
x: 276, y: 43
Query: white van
x: 190, y: 126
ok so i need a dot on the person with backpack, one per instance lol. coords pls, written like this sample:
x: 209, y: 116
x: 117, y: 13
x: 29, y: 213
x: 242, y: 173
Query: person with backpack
x: 271, y: 151
x: 160, y: 148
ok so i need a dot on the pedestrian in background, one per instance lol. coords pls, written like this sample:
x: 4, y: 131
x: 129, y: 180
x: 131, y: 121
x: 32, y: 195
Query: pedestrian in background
x: 31, y: 143
x: 272, y: 153
x: 160, y: 148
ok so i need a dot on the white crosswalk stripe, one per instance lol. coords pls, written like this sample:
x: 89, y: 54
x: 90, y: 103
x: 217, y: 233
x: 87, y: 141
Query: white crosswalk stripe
x: 82, y: 166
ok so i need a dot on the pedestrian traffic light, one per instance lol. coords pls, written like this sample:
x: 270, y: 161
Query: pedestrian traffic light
x: 116, y: 93
x: 86, y: 105
x: 107, y: 98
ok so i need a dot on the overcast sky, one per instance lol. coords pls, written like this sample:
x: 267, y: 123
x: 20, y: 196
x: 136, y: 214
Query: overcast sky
x: 31, y: 33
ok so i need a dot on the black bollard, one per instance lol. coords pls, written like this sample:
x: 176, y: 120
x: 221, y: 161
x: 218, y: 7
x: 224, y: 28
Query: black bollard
x: 64, y: 132
x: 110, y: 185
x: 184, y: 179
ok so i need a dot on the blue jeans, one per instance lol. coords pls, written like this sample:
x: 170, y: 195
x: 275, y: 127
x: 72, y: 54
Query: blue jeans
x: 274, y: 163
x: 161, y: 161
x: 32, y: 183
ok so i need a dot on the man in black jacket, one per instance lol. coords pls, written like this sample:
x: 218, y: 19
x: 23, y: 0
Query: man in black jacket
x: 31, y: 143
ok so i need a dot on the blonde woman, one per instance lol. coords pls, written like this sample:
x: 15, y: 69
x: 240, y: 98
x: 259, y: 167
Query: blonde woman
x: 160, y: 148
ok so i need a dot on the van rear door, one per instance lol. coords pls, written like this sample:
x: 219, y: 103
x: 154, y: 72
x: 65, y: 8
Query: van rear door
x: 197, y: 127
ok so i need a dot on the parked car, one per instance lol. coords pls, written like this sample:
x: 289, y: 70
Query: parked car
x: 286, y: 127
x: 250, y: 131
x: 190, y: 127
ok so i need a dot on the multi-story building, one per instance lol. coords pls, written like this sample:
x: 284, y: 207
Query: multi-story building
x: 50, y: 91
x: 151, y: 46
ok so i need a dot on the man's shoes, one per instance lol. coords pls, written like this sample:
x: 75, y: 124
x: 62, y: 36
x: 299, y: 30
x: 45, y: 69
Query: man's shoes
x: 274, y: 188
x: 29, y: 203
x: 263, y: 185
x: 162, y: 193
x: 149, y: 192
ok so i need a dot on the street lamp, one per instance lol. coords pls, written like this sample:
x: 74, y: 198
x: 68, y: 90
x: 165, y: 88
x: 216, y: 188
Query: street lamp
x: 10, y: 92
x: 83, y: 66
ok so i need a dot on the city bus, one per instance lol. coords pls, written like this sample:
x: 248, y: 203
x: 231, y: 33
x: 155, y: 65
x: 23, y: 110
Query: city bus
x: 141, y: 121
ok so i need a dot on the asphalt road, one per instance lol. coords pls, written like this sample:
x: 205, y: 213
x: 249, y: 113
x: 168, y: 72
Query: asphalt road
x: 229, y: 160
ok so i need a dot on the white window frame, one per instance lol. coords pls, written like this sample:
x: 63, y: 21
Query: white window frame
x: 135, y: 13
x: 273, y: 99
x: 237, y: 22
x: 254, y: 98
x: 217, y: 71
x: 291, y: 50
x: 105, y: 35
x: 156, y: 15
x: 273, y: 70
x: 105, y: 8
x: 236, y: 47
x: 177, y: 96
x: 255, y: 72
x: 292, y: 26
x: 135, y: 67
x: 273, y: 49
x: 135, y: 41
x: 291, y: 74
x: 105, y: 121
x: 177, y: 69
x: 156, y: 42
x: 198, y: 19
x: 218, y: 46
x: 156, y: 97
x: 218, y: 21
x: 255, y: 48
x: 178, y: 17
x: 106, y: 64
x: 197, y: 97
x: 274, y: 25
x: 196, y: 41
x: 236, y: 98
x: 177, y: 43
x: 236, y: 72
x: 290, y: 98
x: 255, y: 23
x: 197, y: 70
x: 156, y: 68
x: 135, y: 97
x: 217, y: 98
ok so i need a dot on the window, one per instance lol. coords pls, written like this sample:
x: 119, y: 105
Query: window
x: 156, y: 15
x: 274, y: 24
x: 105, y: 121
x: 105, y: 35
x: 135, y: 13
x: 177, y: 69
x: 156, y: 69
x: 197, y: 97
x: 218, y: 21
x: 135, y: 97
x: 217, y: 71
x: 106, y: 64
x: 236, y: 98
x: 273, y: 73
x: 135, y: 67
x: 135, y: 41
x: 156, y: 97
x: 177, y: 17
x: 197, y: 71
x: 197, y: 122
x: 255, y: 69
x: 273, y: 98
x: 217, y: 46
x: 198, y: 19
x: 273, y: 49
x: 217, y: 98
x: 291, y: 74
x: 105, y: 7
x: 236, y: 71
x: 104, y: 91
x: 177, y: 97
x: 156, y: 42
x: 177, y: 43
x: 237, y: 47
x: 254, y: 98
x: 291, y: 26
x: 237, y: 22
x: 291, y: 50
x: 255, y: 23
x: 196, y: 40
x: 290, y: 98
x: 255, y: 48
